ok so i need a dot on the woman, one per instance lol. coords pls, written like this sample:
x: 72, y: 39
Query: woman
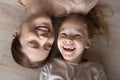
x: 33, y: 41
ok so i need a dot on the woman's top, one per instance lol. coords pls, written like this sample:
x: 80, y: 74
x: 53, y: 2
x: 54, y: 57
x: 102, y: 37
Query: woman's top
x: 58, y: 69
x: 76, y: 6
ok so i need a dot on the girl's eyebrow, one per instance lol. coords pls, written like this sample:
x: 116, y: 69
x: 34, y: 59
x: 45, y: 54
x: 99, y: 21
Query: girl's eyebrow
x: 61, y: 29
x: 82, y: 31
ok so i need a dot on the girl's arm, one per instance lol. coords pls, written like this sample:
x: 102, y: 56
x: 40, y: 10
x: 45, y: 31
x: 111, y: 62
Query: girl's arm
x: 44, y: 73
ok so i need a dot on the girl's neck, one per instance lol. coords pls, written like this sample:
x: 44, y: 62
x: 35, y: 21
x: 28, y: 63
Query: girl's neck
x: 78, y: 61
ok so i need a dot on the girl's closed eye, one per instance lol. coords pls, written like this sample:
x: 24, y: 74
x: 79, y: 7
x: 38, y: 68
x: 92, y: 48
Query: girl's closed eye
x: 78, y: 35
x: 62, y: 34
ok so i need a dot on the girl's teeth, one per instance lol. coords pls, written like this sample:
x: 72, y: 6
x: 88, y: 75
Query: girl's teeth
x: 68, y: 47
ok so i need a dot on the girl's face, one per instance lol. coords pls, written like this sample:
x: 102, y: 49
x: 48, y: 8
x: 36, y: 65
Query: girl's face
x: 36, y: 38
x: 73, y: 39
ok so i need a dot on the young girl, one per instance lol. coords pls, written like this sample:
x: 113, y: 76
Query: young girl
x: 74, y: 37
x: 34, y: 39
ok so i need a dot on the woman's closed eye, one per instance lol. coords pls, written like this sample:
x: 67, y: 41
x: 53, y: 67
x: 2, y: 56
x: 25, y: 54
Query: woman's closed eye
x: 33, y: 44
x: 47, y: 46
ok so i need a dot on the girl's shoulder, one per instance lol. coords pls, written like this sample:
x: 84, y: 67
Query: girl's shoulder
x: 93, y: 66
x: 55, y: 61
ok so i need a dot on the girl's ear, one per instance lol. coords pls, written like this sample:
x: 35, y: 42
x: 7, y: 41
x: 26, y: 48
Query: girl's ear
x: 88, y: 45
x: 16, y: 32
x: 25, y: 3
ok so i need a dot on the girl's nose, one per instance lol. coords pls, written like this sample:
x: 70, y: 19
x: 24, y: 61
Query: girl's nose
x: 68, y: 41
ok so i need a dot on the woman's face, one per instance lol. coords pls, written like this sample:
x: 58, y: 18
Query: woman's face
x: 36, y: 38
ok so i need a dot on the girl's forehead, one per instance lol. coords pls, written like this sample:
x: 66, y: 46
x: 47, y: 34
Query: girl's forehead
x: 76, y: 20
x: 73, y: 23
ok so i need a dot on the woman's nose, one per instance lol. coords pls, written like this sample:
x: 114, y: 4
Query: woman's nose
x: 51, y: 39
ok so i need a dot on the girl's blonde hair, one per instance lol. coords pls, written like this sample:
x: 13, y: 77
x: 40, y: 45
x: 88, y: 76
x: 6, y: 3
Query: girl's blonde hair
x: 96, y: 20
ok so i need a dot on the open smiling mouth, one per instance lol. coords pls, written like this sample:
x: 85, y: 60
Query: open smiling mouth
x: 68, y: 49
x: 43, y: 28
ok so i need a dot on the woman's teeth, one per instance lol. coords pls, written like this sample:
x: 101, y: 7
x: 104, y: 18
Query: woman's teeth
x: 43, y: 28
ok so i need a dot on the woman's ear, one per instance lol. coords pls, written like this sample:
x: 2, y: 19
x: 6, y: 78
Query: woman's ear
x: 88, y: 45
x: 16, y: 32
x: 25, y: 3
